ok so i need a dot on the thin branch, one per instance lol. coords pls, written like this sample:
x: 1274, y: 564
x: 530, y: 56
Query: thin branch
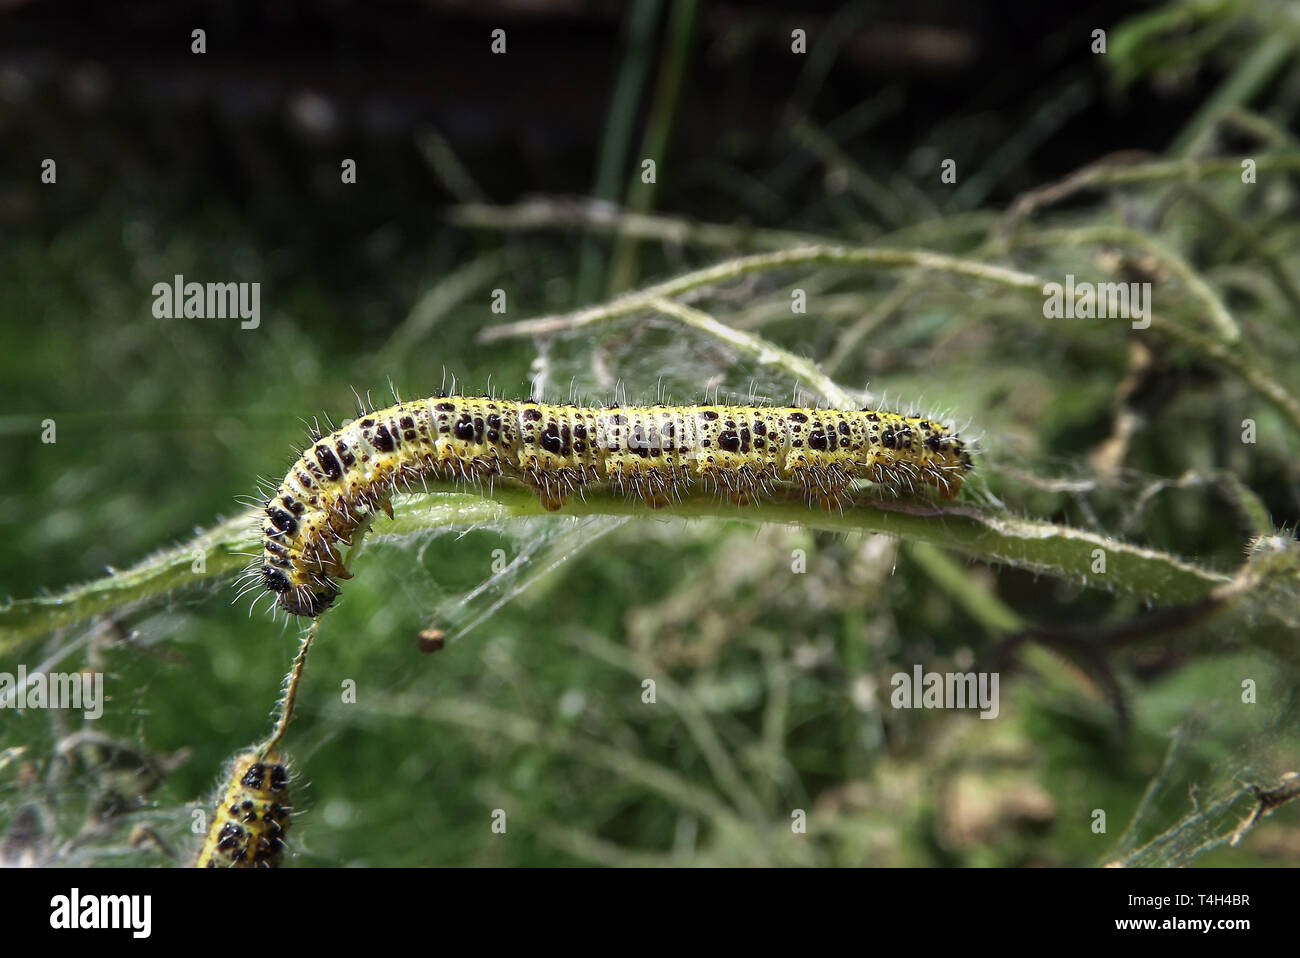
x: 1120, y: 169
x: 1215, y: 310
x: 847, y: 256
x: 1245, y: 366
x: 889, y: 304
x: 1249, y: 238
x: 652, y: 297
x: 760, y: 350
x: 543, y: 213
x: 694, y: 717
x: 292, y: 681
x: 213, y: 554
x: 884, y: 201
x: 526, y: 730
x: 1043, y: 547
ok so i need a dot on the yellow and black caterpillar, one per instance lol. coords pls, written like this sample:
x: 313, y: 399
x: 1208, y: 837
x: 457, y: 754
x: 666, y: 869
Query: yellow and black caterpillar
x: 650, y: 451
x: 252, y: 816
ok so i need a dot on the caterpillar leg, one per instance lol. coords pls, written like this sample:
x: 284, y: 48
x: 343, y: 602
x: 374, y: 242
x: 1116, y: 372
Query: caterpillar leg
x: 732, y: 475
x: 548, y: 491
x: 653, y: 484
x: 742, y: 486
x: 825, y: 482
x: 833, y: 500
x: 948, y: 487
x: 948, y: 483
x: 552, y: 484
x: 551, y: 501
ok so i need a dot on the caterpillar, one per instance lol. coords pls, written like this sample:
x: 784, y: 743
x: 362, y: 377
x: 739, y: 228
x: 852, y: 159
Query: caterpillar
x: 252, y: 816
x: 649, y: 451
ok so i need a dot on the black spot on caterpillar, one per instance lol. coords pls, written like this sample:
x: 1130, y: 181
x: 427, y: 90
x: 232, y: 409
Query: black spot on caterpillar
x: 650, y: 451
x: 252, y: 816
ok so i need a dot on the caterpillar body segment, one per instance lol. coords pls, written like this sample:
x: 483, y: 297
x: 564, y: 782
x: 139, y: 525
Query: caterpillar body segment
x: 651, y: 451
x: 251, y: 817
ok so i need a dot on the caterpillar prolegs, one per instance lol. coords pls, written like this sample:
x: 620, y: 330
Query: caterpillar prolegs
x: 650, y: 451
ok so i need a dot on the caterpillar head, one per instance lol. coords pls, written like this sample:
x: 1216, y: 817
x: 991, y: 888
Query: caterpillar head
x: 302, y: 599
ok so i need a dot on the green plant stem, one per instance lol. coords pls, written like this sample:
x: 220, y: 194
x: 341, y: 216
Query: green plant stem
x: 1245, y: 366
x: 218, y: 552
x: 849, y: 340
x: 651, y: 297
x: 1215, y: 310
x: 638, y: 54
x: 1042, y: 547
x: 1114, y: 171
x: 980, y: 604
x: 523, y: 729
x: 1249, y: 77
x: 1250, y: 240
x: 663, y: 116
x: 846, y: 256
x: 693, y: 715
x: 883, y: 201
x: 447, y: 167
x: 434, y: 304
x: 761, y: 351
x: 544, y: 213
